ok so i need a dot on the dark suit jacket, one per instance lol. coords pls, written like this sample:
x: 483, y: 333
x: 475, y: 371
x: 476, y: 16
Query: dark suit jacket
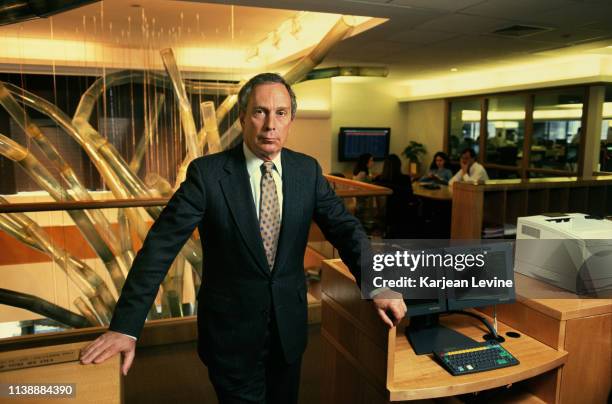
x: 238, y: 289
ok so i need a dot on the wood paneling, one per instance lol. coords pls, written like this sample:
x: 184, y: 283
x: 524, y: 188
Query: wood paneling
x: 545, y: 387
x: 467, y: 216
x: 532, y: 323
x: 581, y: 327
x: 587, y: 376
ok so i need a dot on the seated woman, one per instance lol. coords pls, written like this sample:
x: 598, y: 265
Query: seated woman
x: 361, y: 172
x: 438, y: 170
x: 401, y: 206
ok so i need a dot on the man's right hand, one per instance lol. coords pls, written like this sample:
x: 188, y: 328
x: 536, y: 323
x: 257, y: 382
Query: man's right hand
x: 465, y: 167
x: 108, y: 345
x: 390, y: 307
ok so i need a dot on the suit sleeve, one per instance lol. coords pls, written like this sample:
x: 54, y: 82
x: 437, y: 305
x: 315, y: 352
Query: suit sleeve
x: 343, y: 230
x: 163, y: 242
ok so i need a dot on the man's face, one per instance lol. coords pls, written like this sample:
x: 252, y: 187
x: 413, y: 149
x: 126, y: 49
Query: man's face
x: 466, y: 159
x: 266, y: 121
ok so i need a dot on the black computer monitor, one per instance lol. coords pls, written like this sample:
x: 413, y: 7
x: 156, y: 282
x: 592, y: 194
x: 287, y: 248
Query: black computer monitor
x: 425, y: 332
x: 355, y: 141
x: 428, y: 302
x: 421, y: 307
x: 500, y: 257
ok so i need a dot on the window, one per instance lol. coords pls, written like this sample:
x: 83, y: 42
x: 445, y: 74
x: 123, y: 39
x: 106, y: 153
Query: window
x: 464, y: 125
x: 505, y: 130
x: 605, y: 151
x: 557, y: 129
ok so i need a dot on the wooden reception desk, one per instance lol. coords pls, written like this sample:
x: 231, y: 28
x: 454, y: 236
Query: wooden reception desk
x: 366, y: 362
x: 580, y: 326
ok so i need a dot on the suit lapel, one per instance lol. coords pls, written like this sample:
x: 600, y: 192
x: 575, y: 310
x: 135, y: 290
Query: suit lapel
x: 292, y: 208
x: 237, y: 191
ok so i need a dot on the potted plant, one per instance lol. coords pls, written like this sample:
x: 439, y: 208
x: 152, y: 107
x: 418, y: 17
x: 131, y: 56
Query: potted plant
x: 413, y: 153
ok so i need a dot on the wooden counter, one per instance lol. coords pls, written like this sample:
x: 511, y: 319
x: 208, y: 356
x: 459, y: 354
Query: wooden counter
x: 59, y: 364
x: 564, y: 321
x: 499, y: 202
x: 443, y: 193
x: 365, y: 361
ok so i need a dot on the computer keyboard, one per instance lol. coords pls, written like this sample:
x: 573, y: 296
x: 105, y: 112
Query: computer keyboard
x: 483, y: 356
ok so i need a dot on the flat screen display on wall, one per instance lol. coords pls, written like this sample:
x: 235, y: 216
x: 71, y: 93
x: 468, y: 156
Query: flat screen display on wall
x: 354, y: 142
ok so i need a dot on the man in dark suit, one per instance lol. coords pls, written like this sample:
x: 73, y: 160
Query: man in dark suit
x: 253, y: 206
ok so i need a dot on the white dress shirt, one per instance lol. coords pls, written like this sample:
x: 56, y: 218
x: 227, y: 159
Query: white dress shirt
x: 476, y: 173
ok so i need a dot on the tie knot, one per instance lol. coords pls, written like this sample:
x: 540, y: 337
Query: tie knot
x: 267, y: 167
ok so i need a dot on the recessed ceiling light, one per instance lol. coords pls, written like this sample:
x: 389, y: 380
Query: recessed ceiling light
x: 454, y: 69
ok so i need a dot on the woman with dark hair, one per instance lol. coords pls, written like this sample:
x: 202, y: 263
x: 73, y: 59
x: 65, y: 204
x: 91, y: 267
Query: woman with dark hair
x: 401, y: 206
x: 392, y: 171
x: 361, y: 172
x: 438, y: 170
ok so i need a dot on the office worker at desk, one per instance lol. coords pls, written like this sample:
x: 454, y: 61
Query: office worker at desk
x: 361, y: 171
x: 253, y: 206
x: 438, y: 170
x: 471, y: 170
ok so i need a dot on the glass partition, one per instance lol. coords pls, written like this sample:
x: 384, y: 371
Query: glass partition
x: 531, y: 133
x: 505, y: 130
x: 464, y: 126
x: 605, y: 151
x: 557, y: 129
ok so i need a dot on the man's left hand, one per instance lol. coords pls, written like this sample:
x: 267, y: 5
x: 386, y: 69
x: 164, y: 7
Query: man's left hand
x: 390, y: 307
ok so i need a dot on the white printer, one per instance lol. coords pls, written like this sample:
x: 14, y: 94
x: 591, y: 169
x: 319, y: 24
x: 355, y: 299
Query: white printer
x: 572, y: 251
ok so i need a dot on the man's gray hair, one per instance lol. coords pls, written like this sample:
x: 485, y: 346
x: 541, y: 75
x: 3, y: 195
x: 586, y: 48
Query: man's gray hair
x: 263, y: 78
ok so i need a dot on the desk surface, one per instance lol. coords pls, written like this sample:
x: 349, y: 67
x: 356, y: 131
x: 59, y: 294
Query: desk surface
x: 420, y: 377
x: 443, y: 193
x: 557, y: 303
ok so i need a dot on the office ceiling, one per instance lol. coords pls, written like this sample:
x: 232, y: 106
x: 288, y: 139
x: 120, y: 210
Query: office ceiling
x: 426, y: 38
x: 420, y: 40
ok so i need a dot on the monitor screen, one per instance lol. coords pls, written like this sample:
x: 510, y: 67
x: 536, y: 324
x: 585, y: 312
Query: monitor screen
x: 499, y: 266
x: 353, y: 142
x: 426, y: 301
x: 419, y: 307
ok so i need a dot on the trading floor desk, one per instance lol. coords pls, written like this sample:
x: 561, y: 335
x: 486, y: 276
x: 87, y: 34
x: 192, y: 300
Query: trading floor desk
x: 365, y: 362
x: 442, y: 194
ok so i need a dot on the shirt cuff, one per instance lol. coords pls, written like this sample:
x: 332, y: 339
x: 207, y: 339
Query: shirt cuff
x: 127, y: 335
x: 377, y: 291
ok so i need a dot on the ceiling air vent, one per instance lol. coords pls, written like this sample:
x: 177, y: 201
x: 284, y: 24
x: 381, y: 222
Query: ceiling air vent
x: 517, y: 31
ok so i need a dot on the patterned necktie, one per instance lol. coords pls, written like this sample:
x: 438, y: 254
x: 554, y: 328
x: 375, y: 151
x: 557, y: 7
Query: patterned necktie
x: 269, y: 212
